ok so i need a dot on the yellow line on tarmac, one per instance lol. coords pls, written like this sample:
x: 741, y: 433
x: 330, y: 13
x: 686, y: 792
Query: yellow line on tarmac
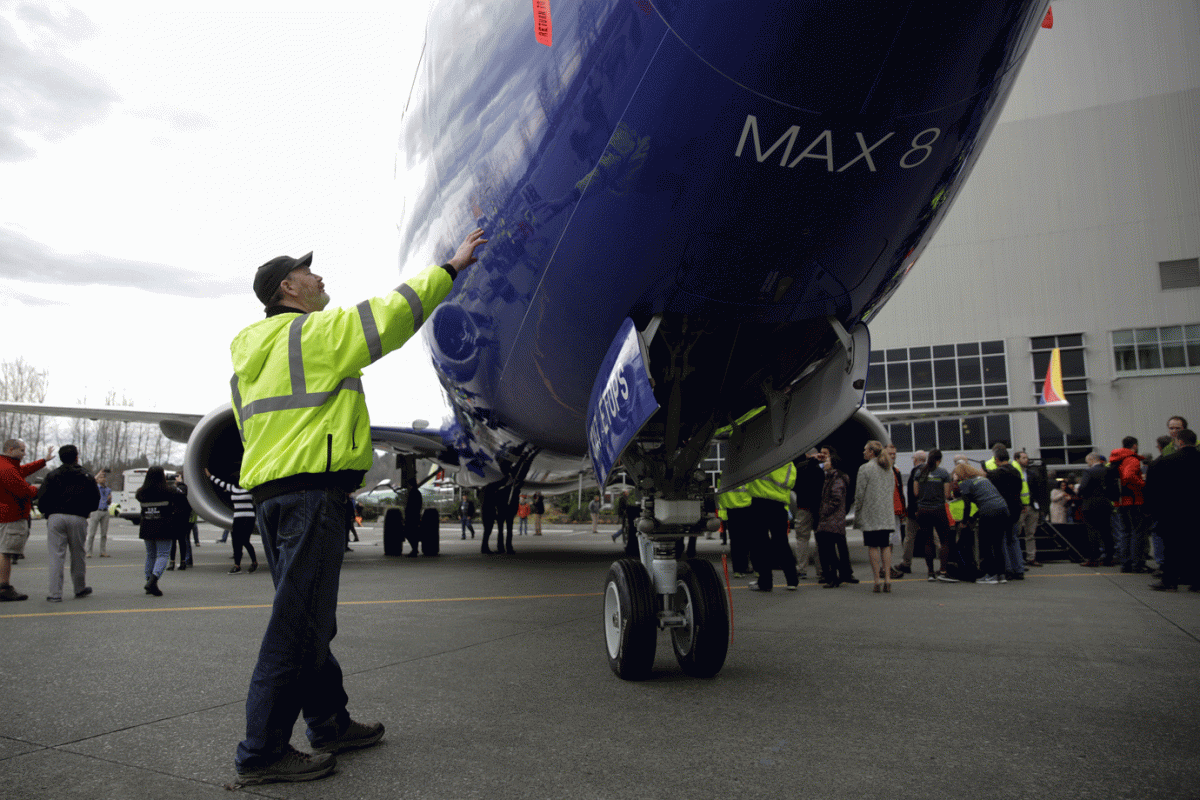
x: 1088, y: 574
x: 268, y: 605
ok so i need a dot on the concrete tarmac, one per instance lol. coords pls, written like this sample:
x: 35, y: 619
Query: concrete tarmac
x: 491, y: 676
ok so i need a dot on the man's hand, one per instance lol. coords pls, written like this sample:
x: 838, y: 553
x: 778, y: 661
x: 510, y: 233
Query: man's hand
x: 465, y: 255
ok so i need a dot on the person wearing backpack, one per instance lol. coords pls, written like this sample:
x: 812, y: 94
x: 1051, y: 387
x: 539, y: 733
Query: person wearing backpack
x: 1130, y: 521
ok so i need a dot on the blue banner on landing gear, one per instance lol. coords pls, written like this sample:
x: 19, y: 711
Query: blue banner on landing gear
x: 622, y: 401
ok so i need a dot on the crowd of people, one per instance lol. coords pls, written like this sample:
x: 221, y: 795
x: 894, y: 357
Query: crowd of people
x: 77, y: 507
x: 970, y: 521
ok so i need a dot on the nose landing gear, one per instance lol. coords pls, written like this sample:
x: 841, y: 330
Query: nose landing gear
x: 693, y: 608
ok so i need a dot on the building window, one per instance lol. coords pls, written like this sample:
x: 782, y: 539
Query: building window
x: 1182, y: 274
x: 1056, y: 446
x: 964, y: 375
x: 1172, y: 350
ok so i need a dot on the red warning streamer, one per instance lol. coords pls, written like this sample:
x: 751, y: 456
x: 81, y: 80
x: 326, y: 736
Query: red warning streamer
x: 543, y: 27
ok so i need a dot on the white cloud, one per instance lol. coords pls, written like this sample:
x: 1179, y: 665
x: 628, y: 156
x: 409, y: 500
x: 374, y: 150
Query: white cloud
x: 46, y: 95
x: 168, y: 151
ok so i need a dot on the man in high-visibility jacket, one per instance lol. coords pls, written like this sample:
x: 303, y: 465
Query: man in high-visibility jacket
x: 735, y: 503
x: 769, y: 543
x: 1027, y: 523
x: 299, y: 405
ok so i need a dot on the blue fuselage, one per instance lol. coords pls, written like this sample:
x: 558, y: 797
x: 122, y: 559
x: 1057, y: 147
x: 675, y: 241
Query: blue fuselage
x: 755, y: 167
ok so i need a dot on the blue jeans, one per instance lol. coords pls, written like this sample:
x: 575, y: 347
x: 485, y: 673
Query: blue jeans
x: 1160, y: 547
x: 466, y: 523
x: 1011, y: 547
x: 157, y: 553
x: 522, y: 526
x: 1129, y: 529
x: 303, y: 535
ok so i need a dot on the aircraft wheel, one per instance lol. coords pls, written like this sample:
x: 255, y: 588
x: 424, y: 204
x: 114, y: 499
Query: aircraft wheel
x: 630, y: 620
x: 393, y: 532
x: 702, y: 644
x: 431, y: 534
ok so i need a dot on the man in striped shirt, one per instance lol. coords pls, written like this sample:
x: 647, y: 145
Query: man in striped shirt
x: 243, y: 522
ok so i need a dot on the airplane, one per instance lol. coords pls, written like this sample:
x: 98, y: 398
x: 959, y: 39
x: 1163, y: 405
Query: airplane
x: 694, y: 209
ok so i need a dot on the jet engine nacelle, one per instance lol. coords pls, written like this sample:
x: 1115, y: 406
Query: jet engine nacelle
x: 216, y: 445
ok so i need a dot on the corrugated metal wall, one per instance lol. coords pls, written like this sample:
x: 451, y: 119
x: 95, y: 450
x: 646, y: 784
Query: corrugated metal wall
x: 1090, y: 180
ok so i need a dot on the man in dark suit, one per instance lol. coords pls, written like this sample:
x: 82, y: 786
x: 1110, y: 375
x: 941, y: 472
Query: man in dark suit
x: 1171, y: 495
x: 1007, y: 481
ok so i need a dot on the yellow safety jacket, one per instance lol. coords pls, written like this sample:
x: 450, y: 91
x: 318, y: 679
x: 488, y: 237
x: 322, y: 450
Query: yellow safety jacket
x: 775, y: 486
x: 1025, y: 496
x: 956, y: 508
x: 297, y: 389
x: 737, y: 497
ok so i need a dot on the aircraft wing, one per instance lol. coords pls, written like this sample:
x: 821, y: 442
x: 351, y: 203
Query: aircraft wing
x: 175, y: 426
x: 887, y: 417
x: 429, y: 444
x: 217, y: 434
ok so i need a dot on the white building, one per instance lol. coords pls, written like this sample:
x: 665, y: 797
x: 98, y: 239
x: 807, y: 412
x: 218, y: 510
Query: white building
x: 1079, y: 227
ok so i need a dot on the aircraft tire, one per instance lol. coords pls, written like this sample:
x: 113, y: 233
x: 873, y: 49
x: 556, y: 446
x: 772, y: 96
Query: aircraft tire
x: 431, y: 534
x: 393, y: 532
x: 701, y: 645
x: 630, y: 620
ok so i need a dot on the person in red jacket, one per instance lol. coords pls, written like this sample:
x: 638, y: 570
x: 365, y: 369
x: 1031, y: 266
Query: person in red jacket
x: 16, y: 499
x: 1130, y: 521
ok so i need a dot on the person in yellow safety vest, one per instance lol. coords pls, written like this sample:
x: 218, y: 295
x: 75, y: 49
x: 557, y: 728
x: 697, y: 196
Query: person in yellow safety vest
x: 991, y: 464
x: 1027, y: 524
x: 769, y: 546
x: 299, y: 406
x: 735, y: 503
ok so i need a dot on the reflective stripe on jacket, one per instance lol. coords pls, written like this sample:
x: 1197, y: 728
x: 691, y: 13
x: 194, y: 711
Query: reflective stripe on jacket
x: 776, y: 485
x: 737, y: 497
x: 297, y: 390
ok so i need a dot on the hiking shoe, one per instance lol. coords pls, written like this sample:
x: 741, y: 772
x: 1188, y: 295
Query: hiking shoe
x: 355, y: 737
x: 291, y: 767
x: 7, y: 592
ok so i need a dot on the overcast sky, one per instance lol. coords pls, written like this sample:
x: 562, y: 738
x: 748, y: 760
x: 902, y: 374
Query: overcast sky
x: 151, y: 159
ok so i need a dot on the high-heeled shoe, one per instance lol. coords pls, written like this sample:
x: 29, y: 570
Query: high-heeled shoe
x: 887, y: 587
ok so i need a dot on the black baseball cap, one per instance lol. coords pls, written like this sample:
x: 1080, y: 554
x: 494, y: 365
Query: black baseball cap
x: 272, y: 273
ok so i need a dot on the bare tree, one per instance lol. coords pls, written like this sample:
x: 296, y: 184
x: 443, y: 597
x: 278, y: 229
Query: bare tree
x: 103, y: 444
x: 21, y: 382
